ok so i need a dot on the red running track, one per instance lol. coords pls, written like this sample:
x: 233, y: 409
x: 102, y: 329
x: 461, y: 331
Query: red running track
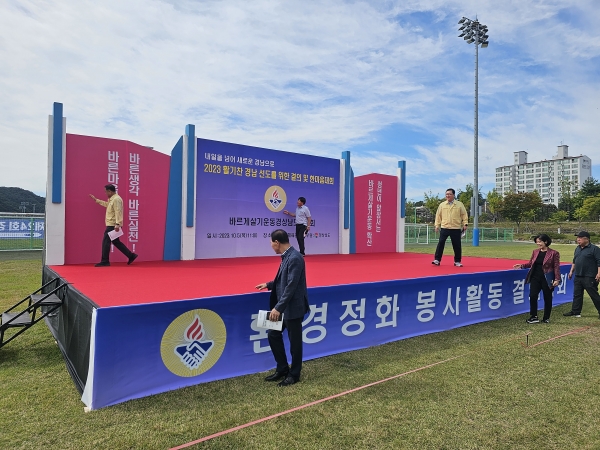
x: 160, y: 281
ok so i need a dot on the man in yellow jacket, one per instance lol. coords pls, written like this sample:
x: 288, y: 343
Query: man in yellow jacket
x: 114, y: 221
x: 452, y: 217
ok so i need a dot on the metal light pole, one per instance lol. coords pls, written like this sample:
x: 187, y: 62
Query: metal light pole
x: 475, y: 32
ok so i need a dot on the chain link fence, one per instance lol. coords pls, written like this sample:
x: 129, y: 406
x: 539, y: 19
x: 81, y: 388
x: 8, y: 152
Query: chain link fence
x: 22, y: 231
x: 425, y: 234
x: 27, y: 232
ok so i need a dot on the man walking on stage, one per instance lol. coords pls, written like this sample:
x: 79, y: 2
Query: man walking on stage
x: 452, y: 217
x: 302, y: 222
x: 289, y: 297
x: 114, y: 221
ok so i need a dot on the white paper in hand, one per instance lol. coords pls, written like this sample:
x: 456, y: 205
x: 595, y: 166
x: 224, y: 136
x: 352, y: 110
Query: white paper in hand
x: 115, y: 234
x: 263, y: 322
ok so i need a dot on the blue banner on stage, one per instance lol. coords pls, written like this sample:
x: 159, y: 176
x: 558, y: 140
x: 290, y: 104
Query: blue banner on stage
x: 142, y: 350
x: 245, y: 190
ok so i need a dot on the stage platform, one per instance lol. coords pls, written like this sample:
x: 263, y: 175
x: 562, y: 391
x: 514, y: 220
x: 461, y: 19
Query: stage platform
x: 131, y: 331
x: 160, y: 281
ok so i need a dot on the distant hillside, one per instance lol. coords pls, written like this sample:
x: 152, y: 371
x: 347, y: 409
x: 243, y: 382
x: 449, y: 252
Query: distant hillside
x: 11, y: 198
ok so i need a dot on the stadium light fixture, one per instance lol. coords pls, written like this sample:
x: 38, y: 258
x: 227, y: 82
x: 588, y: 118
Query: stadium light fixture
x: 475, y: 32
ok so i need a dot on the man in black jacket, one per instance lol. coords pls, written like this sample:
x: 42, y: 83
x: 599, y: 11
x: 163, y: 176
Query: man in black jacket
x: 586, y: 268
x: 289, y: 296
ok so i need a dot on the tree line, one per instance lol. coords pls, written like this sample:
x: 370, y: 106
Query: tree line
x: 581, y: 204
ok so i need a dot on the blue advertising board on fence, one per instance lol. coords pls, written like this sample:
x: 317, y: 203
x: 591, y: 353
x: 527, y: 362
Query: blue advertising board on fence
x: 17, y: 228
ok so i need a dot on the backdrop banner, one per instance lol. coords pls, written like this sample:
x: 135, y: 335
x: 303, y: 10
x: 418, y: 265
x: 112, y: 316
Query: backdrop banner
x: 242, y: 192
x: 376, y: 212
x: 141, y: 350
x: 141, y: 176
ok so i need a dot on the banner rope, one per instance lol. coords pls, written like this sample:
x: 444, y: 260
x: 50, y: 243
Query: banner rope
x: 316, y: 402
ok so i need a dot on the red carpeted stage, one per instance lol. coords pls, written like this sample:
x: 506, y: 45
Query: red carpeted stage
x: 160, y: 281
x: 122, y: 328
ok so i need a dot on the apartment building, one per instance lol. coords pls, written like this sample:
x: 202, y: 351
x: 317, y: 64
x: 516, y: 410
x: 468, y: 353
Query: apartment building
x: 547, y: 176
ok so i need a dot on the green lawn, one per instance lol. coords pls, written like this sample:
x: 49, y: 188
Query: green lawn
x: 21, y: 244
x: 496, y: 395
x: 509, y: 250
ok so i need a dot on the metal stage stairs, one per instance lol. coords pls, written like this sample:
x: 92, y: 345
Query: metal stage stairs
x: 38, y: 306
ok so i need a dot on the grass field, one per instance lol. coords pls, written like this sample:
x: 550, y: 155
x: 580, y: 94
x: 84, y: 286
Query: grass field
x: 496, y: 394
x: 21, y: 244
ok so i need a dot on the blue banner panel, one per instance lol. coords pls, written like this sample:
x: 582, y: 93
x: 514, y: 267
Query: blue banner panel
x: 245, y: 191
x: 190, y: 131
x: 57, y: 152
x: 22, y: 228
x: 142, y: 350
x: 172, y: 251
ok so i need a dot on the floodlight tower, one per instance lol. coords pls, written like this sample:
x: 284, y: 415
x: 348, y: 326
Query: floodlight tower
x: 474, y: 32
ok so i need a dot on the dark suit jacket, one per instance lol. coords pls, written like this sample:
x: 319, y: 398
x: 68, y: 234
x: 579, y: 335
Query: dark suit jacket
x: 551, y: 266
x: 289, y: 293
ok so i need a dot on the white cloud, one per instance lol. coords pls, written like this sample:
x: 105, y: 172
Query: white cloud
x: 315, y: 78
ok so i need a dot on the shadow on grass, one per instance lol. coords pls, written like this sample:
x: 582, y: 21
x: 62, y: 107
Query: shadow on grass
x: 31, y: 352
x: 20, y: 255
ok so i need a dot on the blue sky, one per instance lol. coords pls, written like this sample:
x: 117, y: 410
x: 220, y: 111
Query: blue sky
x: 386, y: 80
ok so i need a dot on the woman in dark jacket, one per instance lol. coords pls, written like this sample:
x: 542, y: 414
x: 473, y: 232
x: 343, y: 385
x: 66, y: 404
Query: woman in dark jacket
x: 544, y: 271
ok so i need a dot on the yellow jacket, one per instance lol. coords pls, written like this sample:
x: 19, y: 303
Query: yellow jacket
x: 114, y: 210
x: 451, y: 216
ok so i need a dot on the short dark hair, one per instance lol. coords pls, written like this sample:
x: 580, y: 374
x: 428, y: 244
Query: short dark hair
x: 110, y: 187
x: 544, y: 238
x: 280, y: 236
x: 451, y: 190
x: 303, y: 200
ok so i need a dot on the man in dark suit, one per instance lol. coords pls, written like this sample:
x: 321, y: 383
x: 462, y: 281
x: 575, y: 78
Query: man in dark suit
x: 289, y: 297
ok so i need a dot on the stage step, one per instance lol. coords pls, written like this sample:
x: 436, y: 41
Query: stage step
x: 33, y: 313
x: 22, y: 321
x: 48, y: 301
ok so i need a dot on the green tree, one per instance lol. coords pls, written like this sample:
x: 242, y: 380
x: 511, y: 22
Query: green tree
x: 410, y: 211
x: 464, y: 196
x: 590, y: 210
x: 589, y: 188
x: 566, y: 201
x: 559, y: 216
x: 517, y: 207
x: 494, y: 201
x: 546, y: 211
x: 432, y: 202
x: 579, y: 214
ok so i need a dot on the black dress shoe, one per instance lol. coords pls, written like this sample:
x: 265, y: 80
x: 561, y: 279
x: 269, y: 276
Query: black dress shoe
x: 289, y: 380
x: 102, y: 264
x: 132, y: 258
x: 276, y: 376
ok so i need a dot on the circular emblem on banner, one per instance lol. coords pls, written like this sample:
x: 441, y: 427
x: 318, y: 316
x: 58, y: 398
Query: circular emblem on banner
x: 193, y: 342
x: 275, y: 198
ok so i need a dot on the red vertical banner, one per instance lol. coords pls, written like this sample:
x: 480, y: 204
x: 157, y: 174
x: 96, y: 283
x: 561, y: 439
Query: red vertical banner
x: 141, y: 176
x: 375, y: 213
